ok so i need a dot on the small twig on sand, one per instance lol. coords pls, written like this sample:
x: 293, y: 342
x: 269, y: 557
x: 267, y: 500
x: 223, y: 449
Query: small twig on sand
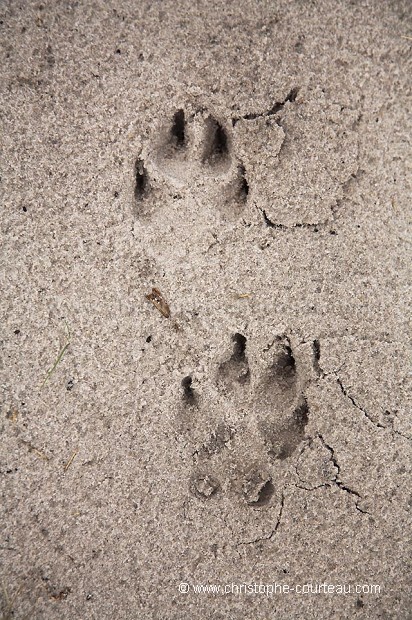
x: 59, y: 357
x: 244, y: 295
x: 8, y: 611
x: 36, y: 451
x: 70, y: 461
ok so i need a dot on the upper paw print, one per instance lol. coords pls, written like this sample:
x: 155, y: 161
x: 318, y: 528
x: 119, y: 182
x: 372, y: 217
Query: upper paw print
x: 291, y: 162
x: 192, y: 146
x: 191, y: 151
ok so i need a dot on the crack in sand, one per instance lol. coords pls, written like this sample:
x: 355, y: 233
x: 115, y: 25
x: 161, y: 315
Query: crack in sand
x: 334, y: 208
x: 365, y: 412
x: 355, y: 404
x: 344, y: 390
x: 337, y: 480
x: 277, y: 107
x: 273, y: 532
x: 271, y: 224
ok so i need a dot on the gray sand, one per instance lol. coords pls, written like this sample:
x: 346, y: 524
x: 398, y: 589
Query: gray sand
x: 251, y: 161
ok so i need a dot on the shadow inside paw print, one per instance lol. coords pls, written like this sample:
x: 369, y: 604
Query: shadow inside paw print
x: 282, y: 441
x: 257, y: 487
x: 264, y: 424
x: 236, y: 368
x: 191, y: 146
x: 281, y: 387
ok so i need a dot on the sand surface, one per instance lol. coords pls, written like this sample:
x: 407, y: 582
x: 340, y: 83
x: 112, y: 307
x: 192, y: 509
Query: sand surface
x: 248, y: 426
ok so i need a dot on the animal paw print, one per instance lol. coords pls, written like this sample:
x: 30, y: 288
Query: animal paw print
x: 192, y: 151
x: 292, y: 162
x: 254, y: 425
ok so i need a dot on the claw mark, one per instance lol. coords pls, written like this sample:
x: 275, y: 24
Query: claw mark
x: 300, y: 416
x: 242, y: 184
x: 284, y: 367
x: 316, y: 356
x: 188, y: 391
x: 239, y: 348
x: 141, y: 180
x: 177, y: 131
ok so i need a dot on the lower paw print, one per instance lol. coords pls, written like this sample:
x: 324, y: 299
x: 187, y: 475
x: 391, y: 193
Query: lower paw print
x: 282, y: 441
x: 204, y: 486
x: 257, y: 488
x: 243, y: 437
x: 236, y: 368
